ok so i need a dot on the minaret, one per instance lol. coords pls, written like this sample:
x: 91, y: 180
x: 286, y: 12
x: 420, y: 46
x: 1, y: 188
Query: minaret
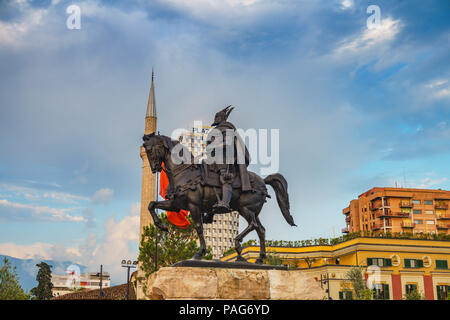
x: 148, y: 178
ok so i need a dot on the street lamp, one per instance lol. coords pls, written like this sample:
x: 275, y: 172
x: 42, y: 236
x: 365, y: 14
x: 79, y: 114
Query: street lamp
x: 100, y: 274
x: 128, y: 264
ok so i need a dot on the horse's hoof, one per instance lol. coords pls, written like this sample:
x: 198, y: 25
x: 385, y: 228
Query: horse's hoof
x: 259, y: 261
x: 241, y: 259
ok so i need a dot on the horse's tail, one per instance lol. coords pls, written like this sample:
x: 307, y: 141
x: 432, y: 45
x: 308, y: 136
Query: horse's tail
x: 279, y: 184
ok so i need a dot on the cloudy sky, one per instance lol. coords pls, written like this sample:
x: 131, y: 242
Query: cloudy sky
x: 356, y: 108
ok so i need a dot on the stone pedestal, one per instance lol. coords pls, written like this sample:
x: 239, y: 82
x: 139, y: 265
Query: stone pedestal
x: 229, y: 283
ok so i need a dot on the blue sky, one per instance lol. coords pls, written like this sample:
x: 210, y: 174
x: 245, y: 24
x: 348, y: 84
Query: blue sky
x: 356, y: 108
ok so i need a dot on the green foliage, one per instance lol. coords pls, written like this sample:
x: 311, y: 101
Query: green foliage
x: 365, y: 294
x: 10, y: 288
x: 173, y: 246
x: 413, y: 295
x: 345, y: 237
x: 350, y: 236
x: 43, y: 291
x: 273, y: 260
x: 356, y: 277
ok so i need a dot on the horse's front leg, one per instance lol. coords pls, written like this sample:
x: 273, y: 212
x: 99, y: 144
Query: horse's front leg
x: 164, y: 205
x: 198, y: 225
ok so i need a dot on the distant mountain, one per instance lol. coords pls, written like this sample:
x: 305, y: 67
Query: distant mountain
x: 26, y: 269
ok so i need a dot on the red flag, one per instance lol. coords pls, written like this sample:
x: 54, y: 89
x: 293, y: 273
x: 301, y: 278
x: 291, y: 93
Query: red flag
x: 177, y: 218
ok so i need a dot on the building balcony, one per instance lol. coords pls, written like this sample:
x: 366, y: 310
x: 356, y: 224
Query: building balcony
x: 441, y: 205
x: 391, y: 214
x: 443, y: 216
x: 345, y: 230
x: 442, y: 226
x: 375, y: 206
x: 381, y: 225
x: 406, y: 204
x: 408, y: 225
x: 347, y: 219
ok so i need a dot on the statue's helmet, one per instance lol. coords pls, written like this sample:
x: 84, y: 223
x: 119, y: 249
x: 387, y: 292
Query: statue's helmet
x: 222, y: 115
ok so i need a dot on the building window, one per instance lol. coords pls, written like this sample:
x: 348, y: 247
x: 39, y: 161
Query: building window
x: 441, y: 264
x: 413, y: 263
x: 428, y: 211
x: 429, y: 222
x: 442, y: 292
x: 381, y: 291
x: 418, y: 221
x: 416, y: 201
x: 345, y: 295
x: 410, y: 288
x: 428, y: 202
x: 380, y: 262
x: 415, y: 211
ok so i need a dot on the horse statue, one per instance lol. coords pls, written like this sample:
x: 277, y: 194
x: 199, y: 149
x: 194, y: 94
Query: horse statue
x: 189, y: 189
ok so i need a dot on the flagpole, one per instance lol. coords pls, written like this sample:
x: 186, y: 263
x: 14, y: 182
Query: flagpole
x: 156, y: 229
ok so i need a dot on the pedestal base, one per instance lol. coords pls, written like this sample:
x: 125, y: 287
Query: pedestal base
x: 226, y: 265
x: 184, y: 283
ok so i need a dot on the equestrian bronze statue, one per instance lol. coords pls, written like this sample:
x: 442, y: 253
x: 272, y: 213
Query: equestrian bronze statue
x: 209, y: 187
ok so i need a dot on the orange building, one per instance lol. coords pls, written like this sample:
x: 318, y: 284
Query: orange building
x: 399, y: 210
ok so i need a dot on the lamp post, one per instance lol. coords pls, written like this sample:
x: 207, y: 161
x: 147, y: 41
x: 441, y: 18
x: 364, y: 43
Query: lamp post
x: 100, y: 274
x: 156, y: 229
x: 128, y: 265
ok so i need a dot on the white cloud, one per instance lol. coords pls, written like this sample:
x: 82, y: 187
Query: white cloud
x: 347, y: 4
x: 36, y: 250
x: 424, y: 183
x: 438, y: 89
x: 229, y: 13
x: 20, y: 211
x: 370, y: 45
x: 13, y: 34
x: 436, y: 83
x: 37, y: 194
x: 428, y: 182
x: 116, y: 243
x: 119, y: 236
x: 64, y: 197
x: 104, y: 195
x: 370, y: 38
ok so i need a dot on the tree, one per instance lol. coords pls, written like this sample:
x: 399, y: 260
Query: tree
x: 309, y: 261
x: 10, y: 288
x: 356, y: 278
x: 43, y: 291
x: 173, y: 246
x: 273, y: 260
x: 413, y: 295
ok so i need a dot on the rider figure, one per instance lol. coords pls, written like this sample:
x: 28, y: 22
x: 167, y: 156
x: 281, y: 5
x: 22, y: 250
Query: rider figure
x: 227, y: 167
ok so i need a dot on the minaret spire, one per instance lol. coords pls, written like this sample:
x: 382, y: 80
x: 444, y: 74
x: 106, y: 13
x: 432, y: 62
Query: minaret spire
x: 148, y: 192
x: 151, y: 105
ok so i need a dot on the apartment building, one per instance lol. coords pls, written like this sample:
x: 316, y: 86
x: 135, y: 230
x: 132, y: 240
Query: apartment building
x: 399, y: 210
x: 64, y: 284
